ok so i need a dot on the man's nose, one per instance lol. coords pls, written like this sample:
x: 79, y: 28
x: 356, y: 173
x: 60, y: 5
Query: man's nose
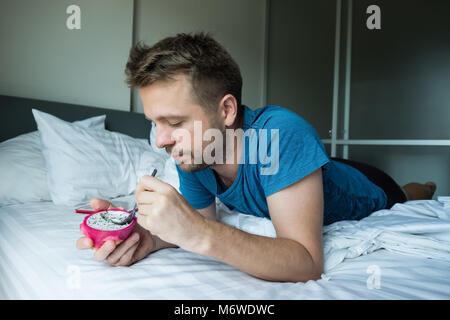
x: 163, y: 138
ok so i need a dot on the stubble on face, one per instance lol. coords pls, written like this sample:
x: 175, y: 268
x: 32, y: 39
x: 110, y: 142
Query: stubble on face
x: 191, y: 166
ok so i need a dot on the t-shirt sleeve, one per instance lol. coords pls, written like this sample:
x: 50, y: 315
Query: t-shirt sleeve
x: 193, y: 190
x: 300, y: 152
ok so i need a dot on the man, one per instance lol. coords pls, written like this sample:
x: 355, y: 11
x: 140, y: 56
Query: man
x: 190, y: 80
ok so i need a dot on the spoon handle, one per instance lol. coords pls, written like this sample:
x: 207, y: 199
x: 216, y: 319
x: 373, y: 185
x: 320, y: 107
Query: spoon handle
x: 135, y: 209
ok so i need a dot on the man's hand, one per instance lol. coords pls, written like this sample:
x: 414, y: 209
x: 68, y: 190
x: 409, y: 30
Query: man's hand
x: 136, y: 247
x: 168, y: 215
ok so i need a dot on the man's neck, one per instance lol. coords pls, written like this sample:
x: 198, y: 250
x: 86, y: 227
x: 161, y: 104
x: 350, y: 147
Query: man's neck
x: 228, y: 171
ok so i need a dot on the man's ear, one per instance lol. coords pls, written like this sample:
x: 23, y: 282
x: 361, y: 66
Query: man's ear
x: 229, y: 110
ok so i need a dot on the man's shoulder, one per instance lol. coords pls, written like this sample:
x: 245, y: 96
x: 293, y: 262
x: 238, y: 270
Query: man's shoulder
x: 276, y: 117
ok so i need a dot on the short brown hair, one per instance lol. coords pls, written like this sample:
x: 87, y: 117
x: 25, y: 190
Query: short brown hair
x: 210, y: 68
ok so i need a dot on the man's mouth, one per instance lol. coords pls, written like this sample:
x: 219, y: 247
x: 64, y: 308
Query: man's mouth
x: 176, y: 155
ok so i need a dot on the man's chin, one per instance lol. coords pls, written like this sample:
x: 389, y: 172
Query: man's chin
x: 192, y: 167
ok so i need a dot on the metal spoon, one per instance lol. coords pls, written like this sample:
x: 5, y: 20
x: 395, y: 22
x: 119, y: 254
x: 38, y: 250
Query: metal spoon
x: 127, y: 219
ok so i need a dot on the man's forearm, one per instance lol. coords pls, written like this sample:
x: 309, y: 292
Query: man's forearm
x: 274, y: 259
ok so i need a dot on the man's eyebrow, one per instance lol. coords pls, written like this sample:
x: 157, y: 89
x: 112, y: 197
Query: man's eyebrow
x: 169, y: 116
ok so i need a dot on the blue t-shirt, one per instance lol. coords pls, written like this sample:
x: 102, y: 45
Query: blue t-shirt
x: 348, y: 194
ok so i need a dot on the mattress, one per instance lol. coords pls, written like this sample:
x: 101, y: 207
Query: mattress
x: 401, y: 253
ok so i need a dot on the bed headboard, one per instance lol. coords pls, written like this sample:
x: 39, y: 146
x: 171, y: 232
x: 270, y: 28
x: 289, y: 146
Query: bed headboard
x: 16, y: 117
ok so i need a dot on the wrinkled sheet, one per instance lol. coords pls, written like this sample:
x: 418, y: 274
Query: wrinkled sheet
x: 401, y: 253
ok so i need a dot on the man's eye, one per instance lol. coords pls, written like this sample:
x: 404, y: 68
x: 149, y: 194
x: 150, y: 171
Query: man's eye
x: 176, y: 124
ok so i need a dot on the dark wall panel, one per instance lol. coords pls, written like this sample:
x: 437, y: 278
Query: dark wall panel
x: 400, y: 86
x: 301, y: 59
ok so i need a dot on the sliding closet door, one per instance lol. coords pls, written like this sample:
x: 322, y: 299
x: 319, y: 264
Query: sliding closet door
x: 400, y: 84
x: 66, y: 51
x: 301, y: 59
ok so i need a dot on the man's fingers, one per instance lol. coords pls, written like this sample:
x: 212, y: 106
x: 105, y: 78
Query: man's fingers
x: 85, y: 243
x: 141, y: 220
x: 146, y: 197
x: 104, y: 251
x: 121, y: 249
x: 127, y: 258
x: 100, y: 204
x: 143, y: 251
x: 144, y: 211
x: 151, y: 183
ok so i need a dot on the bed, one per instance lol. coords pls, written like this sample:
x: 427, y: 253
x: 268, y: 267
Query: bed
x: 401, y: 253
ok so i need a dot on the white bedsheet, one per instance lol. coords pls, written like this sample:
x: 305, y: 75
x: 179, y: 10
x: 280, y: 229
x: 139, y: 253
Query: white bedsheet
x: 402, y: 253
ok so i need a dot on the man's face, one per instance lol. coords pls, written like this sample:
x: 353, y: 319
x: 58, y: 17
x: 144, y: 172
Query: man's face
x: 171, y: 106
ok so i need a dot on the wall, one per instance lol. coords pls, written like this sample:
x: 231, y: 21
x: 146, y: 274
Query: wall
x: 301, y: 59
x: 238, y: 25
x: 40, y: 58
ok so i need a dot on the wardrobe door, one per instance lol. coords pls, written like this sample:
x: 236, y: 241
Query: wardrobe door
x: 301, y: 59
x: 66, y: 51
x: 401, y: 73
x: 400, y: 80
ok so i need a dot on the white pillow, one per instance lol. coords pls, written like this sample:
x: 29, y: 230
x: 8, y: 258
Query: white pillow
x: 22, y: 166
x: 83, y: 164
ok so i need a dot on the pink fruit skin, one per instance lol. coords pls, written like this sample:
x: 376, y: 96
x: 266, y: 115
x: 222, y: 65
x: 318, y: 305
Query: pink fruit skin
x: 101, y: 236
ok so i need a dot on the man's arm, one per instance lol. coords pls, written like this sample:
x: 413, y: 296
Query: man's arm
x: 209, y: 213
x: 296, y: 254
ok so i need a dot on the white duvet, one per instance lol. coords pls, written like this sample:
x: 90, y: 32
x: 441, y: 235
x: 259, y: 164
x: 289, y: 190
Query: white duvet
x: 402, y: 253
